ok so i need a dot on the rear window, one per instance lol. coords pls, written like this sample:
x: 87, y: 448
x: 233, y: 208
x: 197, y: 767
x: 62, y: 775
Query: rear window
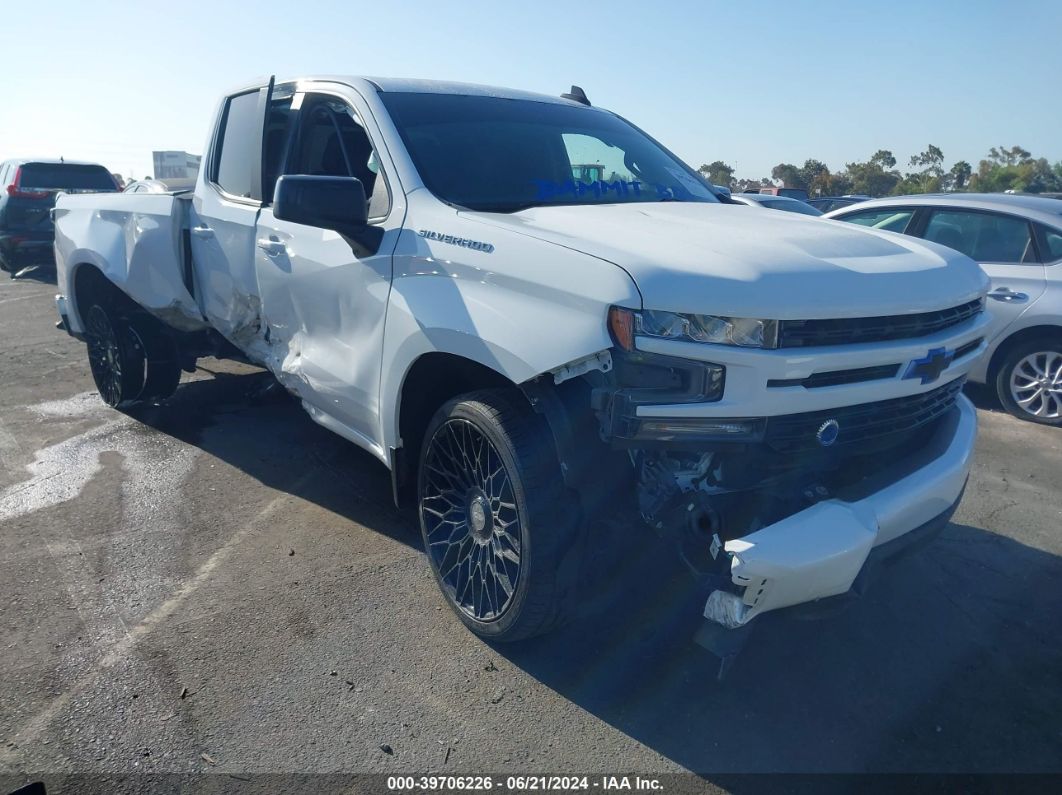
x: 65, y: 176
x: 239, y: 154
x: 1052, y: 244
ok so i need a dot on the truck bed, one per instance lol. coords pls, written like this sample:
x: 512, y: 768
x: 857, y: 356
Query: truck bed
x: 139, y: 241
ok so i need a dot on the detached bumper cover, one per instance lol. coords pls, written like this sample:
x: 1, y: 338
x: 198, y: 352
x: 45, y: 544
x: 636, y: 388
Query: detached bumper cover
x: 820, y: 551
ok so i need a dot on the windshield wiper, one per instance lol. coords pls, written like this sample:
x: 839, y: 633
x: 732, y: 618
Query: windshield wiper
x: 513, y: 207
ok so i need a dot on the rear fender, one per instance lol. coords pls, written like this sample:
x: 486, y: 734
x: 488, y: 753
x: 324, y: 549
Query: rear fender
x: 138, y: 250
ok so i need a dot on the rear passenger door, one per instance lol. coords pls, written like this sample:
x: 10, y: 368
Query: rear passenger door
x: 224, y: 213
x: 323, y: 304
x: 1005, y: 248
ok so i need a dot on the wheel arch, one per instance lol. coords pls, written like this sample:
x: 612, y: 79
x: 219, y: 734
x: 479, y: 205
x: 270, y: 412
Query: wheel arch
x: 430, y: 380
x: 1039, y: 331
x: 88, y: 284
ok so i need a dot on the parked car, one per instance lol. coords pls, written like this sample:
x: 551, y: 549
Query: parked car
x: 775, y: 203
x: 27, y: 195
x: 828, y: 203
x: 415, y: 263
x: 167, y: 185
x: 1018, y: 241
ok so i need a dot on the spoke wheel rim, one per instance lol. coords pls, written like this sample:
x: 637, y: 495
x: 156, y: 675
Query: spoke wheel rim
x: 1036, y: 384
x: 104, y: 355
x: 472, y: 527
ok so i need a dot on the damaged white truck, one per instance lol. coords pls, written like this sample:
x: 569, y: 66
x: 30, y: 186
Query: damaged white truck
x: 525, y: 307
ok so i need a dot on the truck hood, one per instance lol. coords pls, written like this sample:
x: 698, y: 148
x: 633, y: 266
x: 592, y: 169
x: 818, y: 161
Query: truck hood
x: 745, y: 262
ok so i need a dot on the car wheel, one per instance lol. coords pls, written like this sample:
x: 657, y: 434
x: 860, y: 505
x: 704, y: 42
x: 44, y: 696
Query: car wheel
x: 163, y: 369
x: 500, y: 529
x: 1029, y: 381
x: 116, y: 357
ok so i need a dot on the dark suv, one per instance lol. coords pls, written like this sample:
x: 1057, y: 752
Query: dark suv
x: 27, y: 195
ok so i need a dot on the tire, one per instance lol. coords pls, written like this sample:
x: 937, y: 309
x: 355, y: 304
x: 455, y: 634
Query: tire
x: 507, y: 567
x: 1029, y: 381
x: 163, y: 368
x: 116, y: 357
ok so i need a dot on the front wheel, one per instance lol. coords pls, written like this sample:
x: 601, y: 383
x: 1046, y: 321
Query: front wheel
x: 500, y: 529
x: 1029, y: 381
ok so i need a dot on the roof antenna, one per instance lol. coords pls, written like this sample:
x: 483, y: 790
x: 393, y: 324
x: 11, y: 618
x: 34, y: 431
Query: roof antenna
x: 577, y: 95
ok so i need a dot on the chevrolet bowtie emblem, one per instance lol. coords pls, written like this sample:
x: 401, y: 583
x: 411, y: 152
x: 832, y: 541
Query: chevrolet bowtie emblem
x: 930, y: 366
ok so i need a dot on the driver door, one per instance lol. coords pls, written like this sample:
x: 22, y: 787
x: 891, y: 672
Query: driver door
x: 323, y: 305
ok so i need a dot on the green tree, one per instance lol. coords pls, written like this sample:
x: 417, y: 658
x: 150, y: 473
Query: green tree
x: 718, y: 173
x: 883, y: 159
x: 816, y: 177
x: 839, y: 184
x: 929, y: 178
x: 1003, y: 156
x: 871, y: 178
x: 958, y: 176
x: 1014, y: 169
x: 789, y: 175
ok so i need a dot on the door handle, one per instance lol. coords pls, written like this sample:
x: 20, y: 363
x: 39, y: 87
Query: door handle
x: 1008, y: 295
x: 271, y: 247
x: 202, y: 231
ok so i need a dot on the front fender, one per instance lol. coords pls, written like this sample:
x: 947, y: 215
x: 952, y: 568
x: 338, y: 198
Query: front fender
x: 539, y: 308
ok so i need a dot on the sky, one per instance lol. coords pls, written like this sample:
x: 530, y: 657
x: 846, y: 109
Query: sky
x: 751, y: 83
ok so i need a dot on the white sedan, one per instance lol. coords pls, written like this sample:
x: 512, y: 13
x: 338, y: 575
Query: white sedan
x: 1017, y: 239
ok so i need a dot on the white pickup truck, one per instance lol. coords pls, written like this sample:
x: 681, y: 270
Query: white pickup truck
x: 531, y: 312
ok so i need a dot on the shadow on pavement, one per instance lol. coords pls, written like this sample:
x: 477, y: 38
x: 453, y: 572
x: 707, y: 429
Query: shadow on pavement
x: 983, y: 396
x: 265, y: 433
x: 951, y: 663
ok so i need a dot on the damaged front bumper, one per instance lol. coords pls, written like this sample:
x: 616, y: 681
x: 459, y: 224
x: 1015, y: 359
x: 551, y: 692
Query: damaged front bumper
x: 820, y: 551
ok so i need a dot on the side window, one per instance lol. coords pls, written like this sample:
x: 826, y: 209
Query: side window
x: 1050, y: 243
x: 236, y: 158
x: 891, y: 220
x: 984, y: 237
x: 331, y: 141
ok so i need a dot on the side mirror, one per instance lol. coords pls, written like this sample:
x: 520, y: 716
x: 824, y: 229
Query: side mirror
x: 336, y: 203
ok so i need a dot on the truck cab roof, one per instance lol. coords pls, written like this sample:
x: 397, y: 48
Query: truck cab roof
x: 409, y: 85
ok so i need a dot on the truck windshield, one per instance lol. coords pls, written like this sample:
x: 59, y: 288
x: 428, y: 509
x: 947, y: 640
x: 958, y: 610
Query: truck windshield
x: 503, y: 155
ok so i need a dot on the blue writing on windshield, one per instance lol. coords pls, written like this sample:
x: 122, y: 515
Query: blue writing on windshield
x: 549, y: 189
x: 602, y: 189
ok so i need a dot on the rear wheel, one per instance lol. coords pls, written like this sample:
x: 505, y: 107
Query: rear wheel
x: 1029, y: 381
x: 163, y: 368
x: 116, y: 357
x: 500, y: 529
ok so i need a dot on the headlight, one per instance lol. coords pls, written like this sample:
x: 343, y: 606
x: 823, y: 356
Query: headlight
x: 626, y: 324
